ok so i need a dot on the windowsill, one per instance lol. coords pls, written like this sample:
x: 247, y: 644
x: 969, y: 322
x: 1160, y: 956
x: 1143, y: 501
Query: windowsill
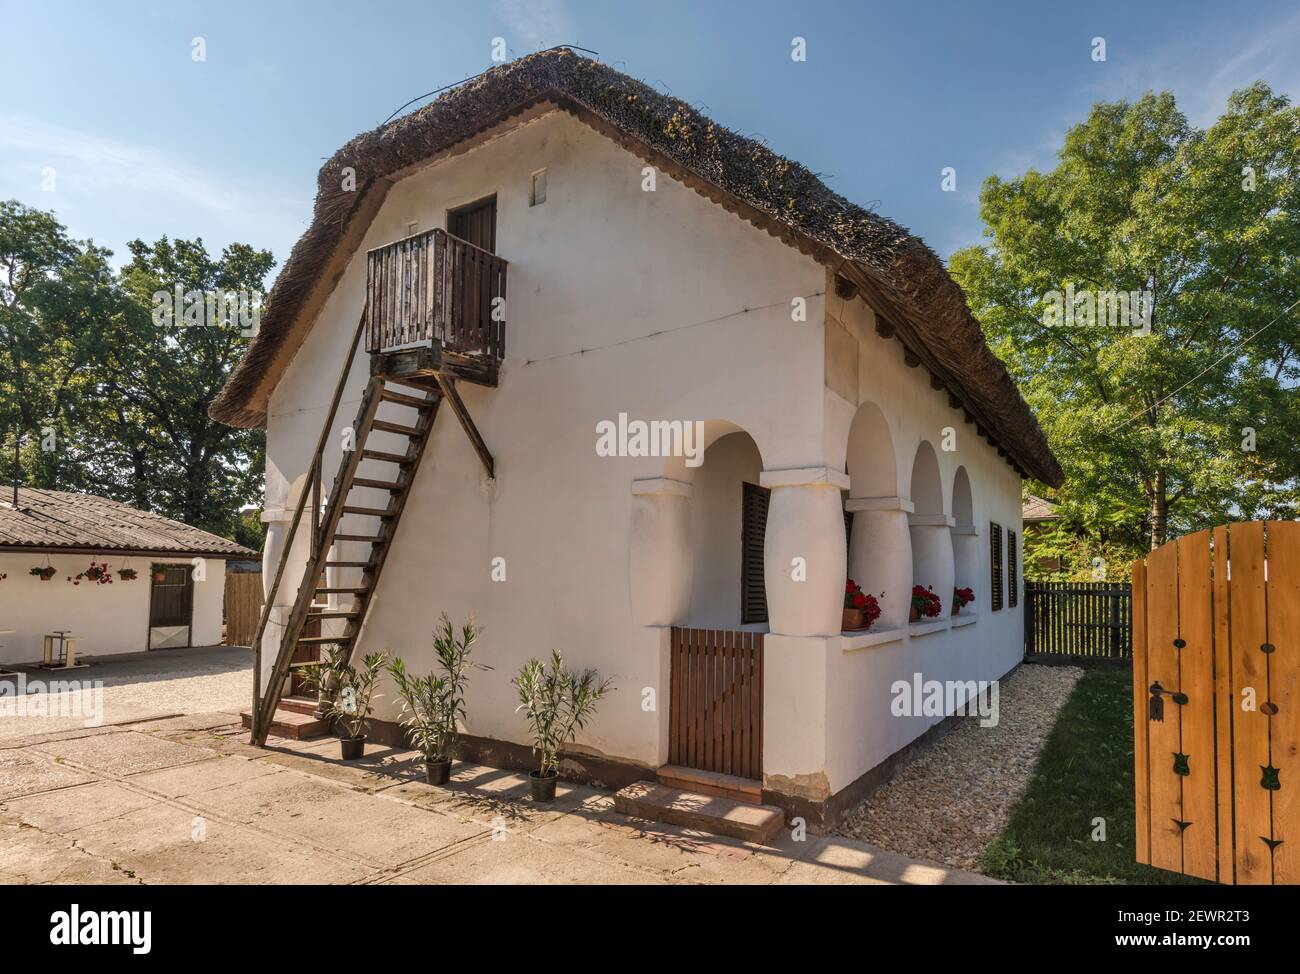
x: 925, y: 628
x: 965, y: 619
x: 850, y: 641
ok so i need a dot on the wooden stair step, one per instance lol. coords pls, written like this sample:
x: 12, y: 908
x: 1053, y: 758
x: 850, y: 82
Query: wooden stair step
x: 349, y: 564
x: 384, y: 426
x: 399, y: 458
x: 333, y: 614
x: 290, y: 723
x: 377, y: 484
x: 373, y: 539
x: 343, y: 590
x: 704, y: 813
x: 415, y: 402
x: 748, y: 790
x: 368, y: 511
x: 322, y: 640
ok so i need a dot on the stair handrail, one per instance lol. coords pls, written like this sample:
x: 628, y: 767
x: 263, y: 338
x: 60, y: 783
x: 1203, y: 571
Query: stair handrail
x: 310, y: 489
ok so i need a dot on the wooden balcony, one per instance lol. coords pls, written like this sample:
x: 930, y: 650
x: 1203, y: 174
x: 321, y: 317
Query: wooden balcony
x: 430, y: 307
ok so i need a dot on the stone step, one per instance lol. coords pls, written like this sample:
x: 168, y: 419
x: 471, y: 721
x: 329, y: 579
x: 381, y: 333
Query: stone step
x: 299, y: 705
x: 748, y: 790
x: 705, y: 813
x: 289, y: 723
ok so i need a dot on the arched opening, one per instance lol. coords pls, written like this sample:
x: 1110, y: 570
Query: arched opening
x: 728, y: 517
x: 880, y: 549
x: 965, y: 550
x: 932, y: 555
x: 871, y: 468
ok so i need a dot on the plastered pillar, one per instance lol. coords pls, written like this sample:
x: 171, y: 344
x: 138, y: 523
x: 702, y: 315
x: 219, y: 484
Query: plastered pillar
x: 805, y: 521
x: 660, y: 555
x: 880, y: 554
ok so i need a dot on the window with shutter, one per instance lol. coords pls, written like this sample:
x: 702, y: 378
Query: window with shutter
x: 995, y: 561
x: 1013, y: 577
x: 753, y: 591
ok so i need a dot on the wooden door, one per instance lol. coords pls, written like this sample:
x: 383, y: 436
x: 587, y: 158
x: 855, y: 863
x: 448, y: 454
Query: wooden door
x: 1216, y: 693
x: 476, y: 223
x: 171, y: 600
x: 715, y: 715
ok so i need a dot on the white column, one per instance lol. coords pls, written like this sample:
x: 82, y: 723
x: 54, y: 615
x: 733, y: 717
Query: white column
x: 932, y: 560
x: 659, y: 552
x: 880, y: 554
x: 805, y: 555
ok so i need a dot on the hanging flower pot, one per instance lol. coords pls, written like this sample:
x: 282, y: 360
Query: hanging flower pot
x: 127, y: 574
x: 95, y: 574
x: 160, y: 575
x: 43, y: 573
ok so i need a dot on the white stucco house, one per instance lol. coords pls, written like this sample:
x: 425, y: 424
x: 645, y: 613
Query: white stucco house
x: 660, y: 269
x: 174, y: 599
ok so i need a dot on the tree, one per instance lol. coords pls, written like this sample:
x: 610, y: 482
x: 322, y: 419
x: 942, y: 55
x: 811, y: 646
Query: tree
x: 1194, y: 423
x: 127, y: 395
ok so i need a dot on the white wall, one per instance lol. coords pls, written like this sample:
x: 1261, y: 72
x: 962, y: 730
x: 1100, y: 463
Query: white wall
x: 107, y: 619
x: 620, y: 300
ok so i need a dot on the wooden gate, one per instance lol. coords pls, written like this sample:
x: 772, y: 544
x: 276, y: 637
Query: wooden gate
x: 716, y: 712
x: 243, y: 607
x: 1216, y: 663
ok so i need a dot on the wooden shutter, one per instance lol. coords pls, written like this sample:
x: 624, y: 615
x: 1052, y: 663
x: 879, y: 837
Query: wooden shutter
x: 848, y: 539
x: 995, y: 561
x: 753, y: 590
x: 1013, y: 577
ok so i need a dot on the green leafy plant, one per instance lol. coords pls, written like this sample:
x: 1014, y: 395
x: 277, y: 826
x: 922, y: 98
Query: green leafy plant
x: 432, y: 705
x: 347, y: 691
x: 558, y: 703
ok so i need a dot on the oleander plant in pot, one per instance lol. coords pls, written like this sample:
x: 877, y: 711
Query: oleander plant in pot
x: 433, y: 705
x: 926, y: 604
x: 962, y: 597
x: 350, y: 694
x: 558, y: 703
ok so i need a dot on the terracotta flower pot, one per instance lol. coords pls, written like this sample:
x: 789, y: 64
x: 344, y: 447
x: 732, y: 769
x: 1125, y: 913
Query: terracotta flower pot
x: 914, y: 614
x: 854, y: 619
x: 955, y: 608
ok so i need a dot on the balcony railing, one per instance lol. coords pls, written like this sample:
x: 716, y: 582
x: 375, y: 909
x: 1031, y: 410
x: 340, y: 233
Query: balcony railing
x: 436, y: 289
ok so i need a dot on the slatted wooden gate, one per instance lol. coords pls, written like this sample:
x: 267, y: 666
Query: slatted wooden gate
x: 716, y: 711
x: 1216, y: 640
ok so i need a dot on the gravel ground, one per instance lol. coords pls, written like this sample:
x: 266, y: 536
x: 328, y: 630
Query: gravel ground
x: 955, y: 797
x: 137, y: 686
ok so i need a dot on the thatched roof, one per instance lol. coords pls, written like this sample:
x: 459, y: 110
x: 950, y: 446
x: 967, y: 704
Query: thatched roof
x: 905, y: 282
x: 57, y: 520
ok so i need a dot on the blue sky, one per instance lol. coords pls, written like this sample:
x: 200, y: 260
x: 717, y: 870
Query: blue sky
x: 145, y: 141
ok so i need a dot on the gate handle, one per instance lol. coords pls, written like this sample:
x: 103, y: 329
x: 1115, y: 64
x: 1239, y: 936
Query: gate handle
x: 1156, y: 706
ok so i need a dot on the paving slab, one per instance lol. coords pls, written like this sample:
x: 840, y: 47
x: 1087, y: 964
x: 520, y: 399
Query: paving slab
x: 24, y: 773
x: 835, y: 860
x: 163, y: 844
x: 125, y: 753
x: 201, y: 776
x: 368, y: 828
x: 29, y: 856
x: 73, y: 808
x: 521, y: 859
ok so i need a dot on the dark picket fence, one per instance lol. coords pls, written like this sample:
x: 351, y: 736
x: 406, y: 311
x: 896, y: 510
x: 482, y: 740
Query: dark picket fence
x: 1084, y: 619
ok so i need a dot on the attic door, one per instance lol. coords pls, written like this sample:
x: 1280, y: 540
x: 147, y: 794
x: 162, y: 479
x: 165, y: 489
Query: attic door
x: 476, y: 223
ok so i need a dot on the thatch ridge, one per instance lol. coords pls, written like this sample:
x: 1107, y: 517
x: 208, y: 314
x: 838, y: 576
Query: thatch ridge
x: 785, y: 194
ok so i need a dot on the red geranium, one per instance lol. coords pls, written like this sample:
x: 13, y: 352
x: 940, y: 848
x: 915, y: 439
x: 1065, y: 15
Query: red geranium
x: 925, y: 601
x: 962, y: 597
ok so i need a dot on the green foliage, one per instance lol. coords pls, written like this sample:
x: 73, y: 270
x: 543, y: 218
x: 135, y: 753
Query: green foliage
x: 126, y: 399
x: 558, y: 703
x: 346, y: 689
x: 1150, y: 428
x: 1085, y: 772
x: 432, y: 705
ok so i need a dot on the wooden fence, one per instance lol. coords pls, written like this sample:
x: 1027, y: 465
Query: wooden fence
x: 1216, y: 688
x: 716, y: 711
x: 1086, y: 619
x: 243, y: 607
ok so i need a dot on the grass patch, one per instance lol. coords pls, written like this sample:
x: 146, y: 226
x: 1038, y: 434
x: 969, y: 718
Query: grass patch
x: 1084, y: 772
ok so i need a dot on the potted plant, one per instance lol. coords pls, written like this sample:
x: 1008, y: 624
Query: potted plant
x: 558, y: 703
x: 97, y: 574
x: 44, y: 574
x: 159, y: 574
x: 352, y: 693
x: 432, y: 706
x: 127, y: 574
x: 860, y: 609
x: 925, y: 603
x: 962, y: 597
